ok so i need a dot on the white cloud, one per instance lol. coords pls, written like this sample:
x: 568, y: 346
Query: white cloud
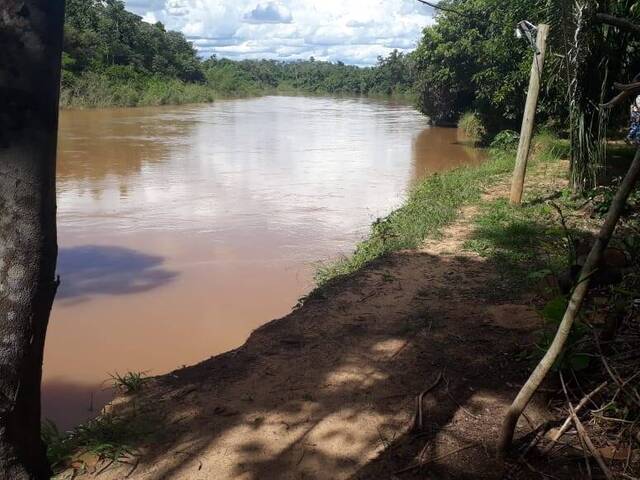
x: 353, y: 31
x: 271, y: 12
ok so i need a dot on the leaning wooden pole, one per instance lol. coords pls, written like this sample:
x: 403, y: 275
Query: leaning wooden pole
x: 590, y: 266
x: 528, y: 119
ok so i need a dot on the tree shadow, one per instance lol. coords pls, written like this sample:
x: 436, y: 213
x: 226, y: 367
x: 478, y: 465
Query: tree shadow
x: 88, y: 270
x: 329, y: 390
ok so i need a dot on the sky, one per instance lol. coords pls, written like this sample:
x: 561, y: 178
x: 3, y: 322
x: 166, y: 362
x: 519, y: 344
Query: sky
x: 351, y: 31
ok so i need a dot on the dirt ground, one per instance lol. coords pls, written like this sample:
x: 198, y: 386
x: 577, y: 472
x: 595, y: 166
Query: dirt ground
x: 329, y: 391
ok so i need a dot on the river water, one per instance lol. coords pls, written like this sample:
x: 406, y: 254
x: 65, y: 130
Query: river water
x: 182, y: 229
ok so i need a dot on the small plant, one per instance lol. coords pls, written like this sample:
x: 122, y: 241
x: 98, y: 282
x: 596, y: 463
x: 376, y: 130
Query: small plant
x: 130, y: 382
x: 109, y: 437
x: 602, y: 196
x: 387, y: 277
x: 505, y: 140
x: 472, y: 127
x: 571, y: 357
x: 58, y: 448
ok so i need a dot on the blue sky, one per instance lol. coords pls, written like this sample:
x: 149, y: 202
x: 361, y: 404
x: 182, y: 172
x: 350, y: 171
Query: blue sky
x: 352, y: 31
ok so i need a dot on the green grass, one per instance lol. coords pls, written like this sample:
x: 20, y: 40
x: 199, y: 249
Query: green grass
x: 523, y: 241
x: 471, y: 126
x: 130, y: 382
x: 435, y: 203
x: 108, y: 437
x: 527, y: 241
x: 431, y: 205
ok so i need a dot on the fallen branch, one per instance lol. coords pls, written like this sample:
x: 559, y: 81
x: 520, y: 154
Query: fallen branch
x: 418, y: 423
x: 621, y: 385
x: 540, y: 372
x: 436, y: 459
x: 574, y: 418
x: 567, y: 422
x: 587, y: 441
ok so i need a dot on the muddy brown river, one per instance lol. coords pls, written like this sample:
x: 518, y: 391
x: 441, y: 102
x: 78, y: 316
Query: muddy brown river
x: 182, y: 229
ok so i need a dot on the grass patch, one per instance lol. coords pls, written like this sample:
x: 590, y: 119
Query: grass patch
x: 519, y: 239
x: 435, y: 203
x: 431, y: 205
x: 528, y: 241
x: 108, y: 437
x: 130, y: 382
x: 471, y: 126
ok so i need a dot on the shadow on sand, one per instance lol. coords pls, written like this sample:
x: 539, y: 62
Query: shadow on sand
x: 328, y: 392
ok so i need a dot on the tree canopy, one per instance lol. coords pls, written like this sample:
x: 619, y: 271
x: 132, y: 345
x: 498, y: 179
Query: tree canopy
x: 101, y: 35
x: 471, y: 61
x: 112, y: 57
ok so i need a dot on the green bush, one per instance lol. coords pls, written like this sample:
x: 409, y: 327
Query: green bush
x: 472, y: 127
x: 505, y: 139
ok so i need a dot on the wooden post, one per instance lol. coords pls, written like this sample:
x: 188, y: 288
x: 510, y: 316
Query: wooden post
x: 529, y: 114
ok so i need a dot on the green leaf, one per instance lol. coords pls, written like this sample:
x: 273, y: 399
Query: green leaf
x: 539, y: 274
x: 554, y: 310
x: 579, y: 361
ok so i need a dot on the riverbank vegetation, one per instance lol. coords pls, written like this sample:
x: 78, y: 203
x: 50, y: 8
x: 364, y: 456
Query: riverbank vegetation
x: 433, y: 204
x: 515, y: 259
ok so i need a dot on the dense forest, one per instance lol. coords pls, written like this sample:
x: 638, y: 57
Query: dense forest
x: 112, y: 57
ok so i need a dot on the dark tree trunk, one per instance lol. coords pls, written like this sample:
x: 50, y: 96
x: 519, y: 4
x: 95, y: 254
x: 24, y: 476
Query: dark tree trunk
x: 31, y: 43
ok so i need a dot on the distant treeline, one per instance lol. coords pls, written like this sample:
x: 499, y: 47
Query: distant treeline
x: 112, y: 57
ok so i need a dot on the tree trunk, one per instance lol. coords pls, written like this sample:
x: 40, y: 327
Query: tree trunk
x: 31, y: 39
x: 584, y: 97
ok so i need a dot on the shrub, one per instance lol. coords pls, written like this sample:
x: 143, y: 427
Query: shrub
x: 505, y: 140
x: 472, y: 127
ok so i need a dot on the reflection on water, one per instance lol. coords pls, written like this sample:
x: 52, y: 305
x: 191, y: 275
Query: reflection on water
x: 101, y: 269
x: 437, y: 149
x: 182, y: 229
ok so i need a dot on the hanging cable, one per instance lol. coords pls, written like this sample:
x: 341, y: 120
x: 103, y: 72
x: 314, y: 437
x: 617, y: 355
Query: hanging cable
x: 478, y: 18
x: 446, y: 9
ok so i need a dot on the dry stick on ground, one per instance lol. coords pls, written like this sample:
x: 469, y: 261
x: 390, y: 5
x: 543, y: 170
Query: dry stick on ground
x: 590, y: 266
x: 437, y: 459
x: 572, y: 414
x: 621, y: 384
x: 418, y: 423
x: 567, y: 422
x: 584, y: 437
